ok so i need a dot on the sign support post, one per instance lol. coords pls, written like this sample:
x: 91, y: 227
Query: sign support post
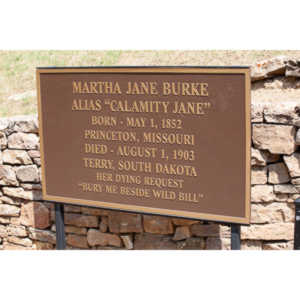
x: 235, y: 237
x: 297, y: 225
x: 60, y: 227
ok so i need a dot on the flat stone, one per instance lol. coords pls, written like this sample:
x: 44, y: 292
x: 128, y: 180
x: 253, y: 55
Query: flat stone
x: 251, y: 245
x: 285, y: 189
x: 4, y: 220
x: 37, y: 245
x: 94, y: 211
x: 127, y: 241
x: 21, y: 140
x: 72, y: 208
x: 215, y: 243
x: 278, y: 173
x: 182, y: 233
x: 34, y: 153
x: 192, y: 243
x: 10, y: 246
x: 98, y: 238
x: 15, y: 220
x: 149, y: 241
x: 268, y: 68
x: 31, y: 186
x: 158, y: 224
x: 16, y: 157
x: 292, y: 68
x: 257, y: 109
x: 262, y: 193
x: 275, y: 231
x: 210, y: 230
x: 103, y: 224
x: 72, y: 229
x: 283, y: 112
x: 78, y: 241
x: 119, y: 222
x: 26, y: 242
x: 258, y: 157
x: 259, y: 175
x: 42, y: 235
x: 295, y: 181
x: 272, y: 213
x: 3, y: 140
x: 76, y: 230
x: 278, y: 246
x: 6, y: 125
x: 3, y: 231
x: 9, y: 210
x: 8, y: 176
x: 293, y: 164
x: 183, y: 222
x: 21, y: 193
x: 16, y: 230
x: 28, y: 124
x: 278, y: 139
x: 35, y: 214
x: 81, y: 220
x: 28, y: 173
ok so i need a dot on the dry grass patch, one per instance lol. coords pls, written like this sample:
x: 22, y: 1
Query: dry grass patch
x: 17, y: 68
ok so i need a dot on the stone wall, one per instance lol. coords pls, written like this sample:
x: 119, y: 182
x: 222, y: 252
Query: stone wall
x: 27, y: 222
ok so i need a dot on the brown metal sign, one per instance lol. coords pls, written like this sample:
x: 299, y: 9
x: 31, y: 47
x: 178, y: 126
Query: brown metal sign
x: 171, y: 141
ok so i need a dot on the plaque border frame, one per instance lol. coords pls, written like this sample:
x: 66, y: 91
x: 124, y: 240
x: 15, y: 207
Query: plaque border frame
x: 245, y: 70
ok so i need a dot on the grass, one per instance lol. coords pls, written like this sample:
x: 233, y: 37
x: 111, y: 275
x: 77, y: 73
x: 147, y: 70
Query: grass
x: 17, y: 68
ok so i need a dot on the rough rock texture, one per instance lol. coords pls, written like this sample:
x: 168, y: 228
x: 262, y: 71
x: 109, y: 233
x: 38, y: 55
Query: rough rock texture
x: 96, y: 237
x: 77, y: 241
x: 182, y: 233
x: 9, y: 210
x: 292, y: 68
x: 278, y: 139
x: 149, y: 241
x: 8, y: 176
x: 293, y: 164
x: 22, y: 140
x: 28, y: 173
x: 81, y: 220
x: 259, y: 175
x: 285, y: 189
x: 258, y: 157
x: 298, y: 137
x: 251, y: 245
x: 262, y: 193
x: 209, y: 230
x: 283, y: 113
x: 127, y: 241
x: 28, y: 222
x: 16, y: 157
x: 268, y: 68
x: 35, y: 214
x: 21, y: 193
x: 273, y: 232
x: 157, y: 224
x: 124, y: 222
x: 272, y: 213
x: 278, y: 173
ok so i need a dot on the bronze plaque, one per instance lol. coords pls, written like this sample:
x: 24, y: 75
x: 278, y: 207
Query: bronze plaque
x: 172, y: 141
